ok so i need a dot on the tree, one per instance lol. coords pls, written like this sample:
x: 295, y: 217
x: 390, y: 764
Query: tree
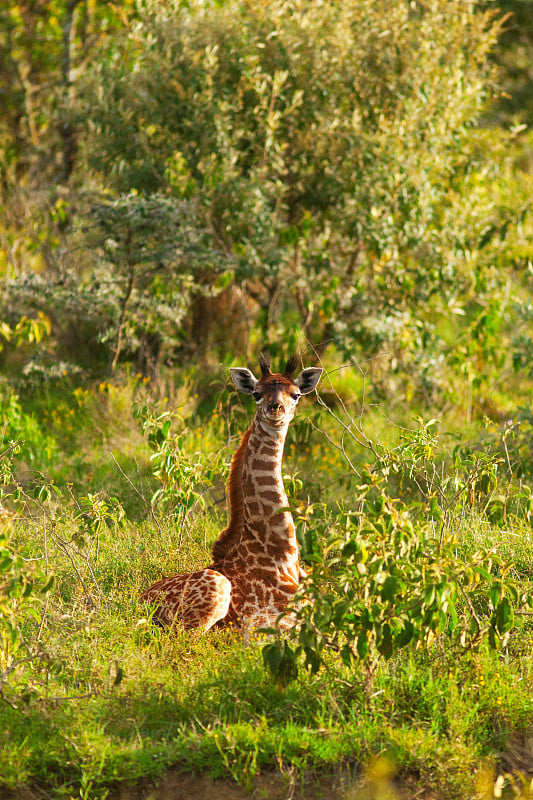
x: 329, y: 150
x: 330, y: 164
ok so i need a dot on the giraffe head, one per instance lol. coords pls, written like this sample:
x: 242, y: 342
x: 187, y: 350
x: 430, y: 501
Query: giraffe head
x: 276, y: 394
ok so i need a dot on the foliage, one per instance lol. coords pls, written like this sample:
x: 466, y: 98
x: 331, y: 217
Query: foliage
x: 486, y: 473
x: 26, y: 330
x: 389, y: 572
x: 23, y: 433
x: 150, y: 258
x: 19, y: 431
x: 43, y: 46
x: 382, y: 581
x: 313, y: 171
x: 23, y: 589
x: 514, y: 56
x: 328, y: 151
x: 153, y: 254
x: 184, y: 477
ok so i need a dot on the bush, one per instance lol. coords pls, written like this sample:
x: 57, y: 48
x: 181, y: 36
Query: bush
x: 23, y: 588
x: 329, y: 154
x: 389, y: 573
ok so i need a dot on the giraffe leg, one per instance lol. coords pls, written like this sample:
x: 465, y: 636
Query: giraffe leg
x: 197, y: 600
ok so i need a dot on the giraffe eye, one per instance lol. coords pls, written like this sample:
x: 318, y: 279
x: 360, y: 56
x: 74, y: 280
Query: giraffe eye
x: 256, y: 396
x: 296, y: 395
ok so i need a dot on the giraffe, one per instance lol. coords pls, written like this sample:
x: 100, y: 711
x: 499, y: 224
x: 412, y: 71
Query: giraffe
x: 254, y: 570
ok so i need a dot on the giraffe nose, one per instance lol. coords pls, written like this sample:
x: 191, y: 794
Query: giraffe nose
x: 275, y: 407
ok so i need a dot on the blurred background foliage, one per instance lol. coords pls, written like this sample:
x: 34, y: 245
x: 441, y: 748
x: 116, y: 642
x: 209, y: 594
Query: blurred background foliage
x: 185, y: 182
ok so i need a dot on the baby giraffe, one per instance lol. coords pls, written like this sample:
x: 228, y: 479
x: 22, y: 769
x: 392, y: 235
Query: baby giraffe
x: 255, y: 571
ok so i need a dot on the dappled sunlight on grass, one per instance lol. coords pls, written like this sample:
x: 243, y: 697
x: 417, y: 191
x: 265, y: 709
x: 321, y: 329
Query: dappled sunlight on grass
x: 120, y: 698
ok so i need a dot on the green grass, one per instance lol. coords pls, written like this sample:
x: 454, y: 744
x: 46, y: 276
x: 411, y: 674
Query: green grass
x: 118, y: 700
x: 207, y: 704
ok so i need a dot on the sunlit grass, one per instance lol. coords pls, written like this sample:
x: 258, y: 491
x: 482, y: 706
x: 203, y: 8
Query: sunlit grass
x: 118, y: 699
x: 124, y: 699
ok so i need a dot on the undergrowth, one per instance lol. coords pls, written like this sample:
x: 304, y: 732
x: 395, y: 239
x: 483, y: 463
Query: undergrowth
x: 92, y: 693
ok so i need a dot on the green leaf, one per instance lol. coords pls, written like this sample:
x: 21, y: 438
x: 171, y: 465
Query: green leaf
x: 385, y: 641
x: 504, y: 616
x: 347, y: 655
x: 312, y: 660
x: 350, y: 548
x: 390, y: 585
x: 272, y: 657
x: 362, y: 645
x: 48, y: 585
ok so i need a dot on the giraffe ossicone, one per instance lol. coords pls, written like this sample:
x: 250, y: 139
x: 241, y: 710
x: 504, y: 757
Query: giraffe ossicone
x: 255, y: 570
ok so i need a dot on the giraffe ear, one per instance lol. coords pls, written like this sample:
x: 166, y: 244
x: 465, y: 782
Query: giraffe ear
x: 308, y: 379
x: 244, y: 380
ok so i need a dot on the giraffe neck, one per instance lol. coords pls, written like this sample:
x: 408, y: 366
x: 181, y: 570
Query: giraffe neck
x: 263, y: 491
x: 256, y: 494
x: 263, y: 495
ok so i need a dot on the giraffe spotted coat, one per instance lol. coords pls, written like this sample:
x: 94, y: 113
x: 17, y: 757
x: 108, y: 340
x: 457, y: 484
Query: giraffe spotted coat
x: 255, y: 570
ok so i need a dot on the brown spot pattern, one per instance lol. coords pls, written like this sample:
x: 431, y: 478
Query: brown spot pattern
x: 255, y: 570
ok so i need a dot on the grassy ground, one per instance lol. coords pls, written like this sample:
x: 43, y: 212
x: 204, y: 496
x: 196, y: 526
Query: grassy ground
x: 111, y: 699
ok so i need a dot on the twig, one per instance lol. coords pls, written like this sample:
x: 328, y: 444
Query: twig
x: 339, y: 447
x: 364, y: 441
x: 63, y: 546
x: 7, y: 672
x: 471, y: 609
x: 47, y: 599
x: 11, y: 448
x: 136, y: 490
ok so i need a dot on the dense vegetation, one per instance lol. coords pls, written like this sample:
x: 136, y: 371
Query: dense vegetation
x: 183, y: 184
